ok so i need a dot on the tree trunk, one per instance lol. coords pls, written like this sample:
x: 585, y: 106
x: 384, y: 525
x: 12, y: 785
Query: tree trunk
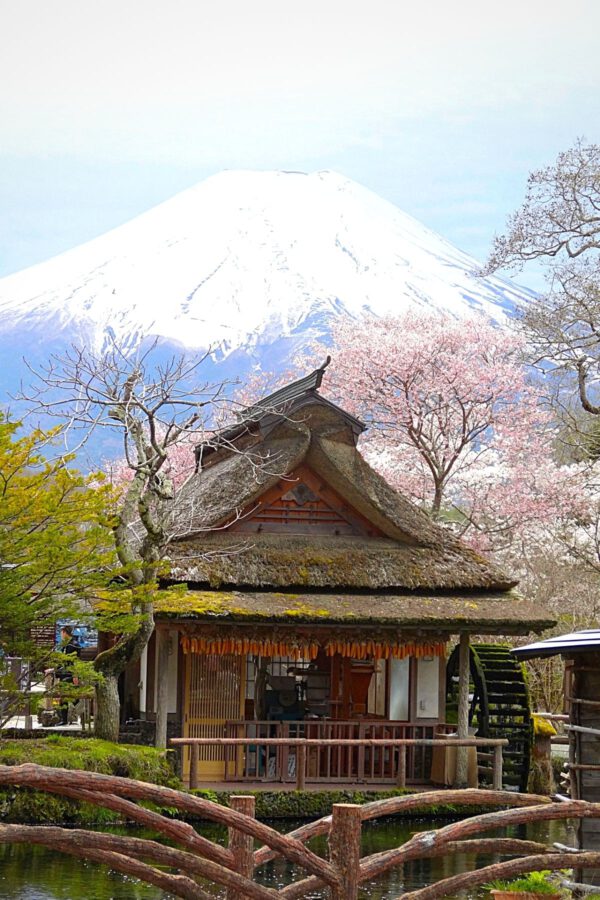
x: 111, y: 663
x: 438, y: 496
x: 108, y: 709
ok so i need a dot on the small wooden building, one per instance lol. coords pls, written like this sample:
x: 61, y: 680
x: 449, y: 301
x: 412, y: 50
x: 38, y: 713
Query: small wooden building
x: 581, y: 654
x: 320, y: 600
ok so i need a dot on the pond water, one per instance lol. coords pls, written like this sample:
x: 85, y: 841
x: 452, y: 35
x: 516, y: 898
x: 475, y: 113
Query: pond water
x: 34, y: 873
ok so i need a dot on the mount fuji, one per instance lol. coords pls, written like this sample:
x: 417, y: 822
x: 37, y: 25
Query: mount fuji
x: 250, y: 265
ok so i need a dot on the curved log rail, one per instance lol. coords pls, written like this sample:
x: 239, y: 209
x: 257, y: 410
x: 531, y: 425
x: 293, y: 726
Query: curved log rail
x: 113, y: 792
x: 233, y: 868
x: 409, y: 803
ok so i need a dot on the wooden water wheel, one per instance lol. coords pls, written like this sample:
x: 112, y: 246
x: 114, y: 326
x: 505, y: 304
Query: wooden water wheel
x: 499, y: 707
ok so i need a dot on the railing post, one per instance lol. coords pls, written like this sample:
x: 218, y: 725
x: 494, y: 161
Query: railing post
x: 497, y: 765
x: 360, y: 771
x: 240, y: 844
x: 344, y: 849
x: 300, y: 766
x: 282, y: 753
x: 401, y: 773
x: 194, y: 760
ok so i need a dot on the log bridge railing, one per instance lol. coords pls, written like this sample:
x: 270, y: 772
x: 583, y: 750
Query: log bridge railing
x: 301, y: 748
x: 190, y: 856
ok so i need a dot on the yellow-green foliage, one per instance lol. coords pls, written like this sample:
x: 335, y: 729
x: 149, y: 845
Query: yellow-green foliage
x: 314, y: 804
x: 56, y: 542
x: 542, y: 727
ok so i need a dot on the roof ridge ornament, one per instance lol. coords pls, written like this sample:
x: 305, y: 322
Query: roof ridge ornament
x: 283, y: 396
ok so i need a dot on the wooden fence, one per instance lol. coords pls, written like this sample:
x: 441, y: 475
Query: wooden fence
x: 303, y: 757
x: 191, y: 855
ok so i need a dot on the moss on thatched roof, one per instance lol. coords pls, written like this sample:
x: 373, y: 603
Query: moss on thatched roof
x: 280, y: 560
x: 505, y: 613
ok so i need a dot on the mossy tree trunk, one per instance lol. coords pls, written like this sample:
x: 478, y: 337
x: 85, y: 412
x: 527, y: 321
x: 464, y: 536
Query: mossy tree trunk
x: 141, y: 538
x: 107, y: 709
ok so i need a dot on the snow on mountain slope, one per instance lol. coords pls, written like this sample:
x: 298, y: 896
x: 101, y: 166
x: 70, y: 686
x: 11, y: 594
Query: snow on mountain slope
x: 243, y: 260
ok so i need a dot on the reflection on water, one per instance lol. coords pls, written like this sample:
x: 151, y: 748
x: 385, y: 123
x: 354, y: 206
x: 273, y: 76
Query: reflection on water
x: 34, y: 873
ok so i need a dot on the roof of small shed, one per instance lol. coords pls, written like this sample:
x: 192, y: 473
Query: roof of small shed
x: 503, y: 613
x: 576, y: 642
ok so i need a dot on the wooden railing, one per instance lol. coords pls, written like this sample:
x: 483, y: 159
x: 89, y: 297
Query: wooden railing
x: 297, y: 754
x: 330, y: 761
x: 191, y: 855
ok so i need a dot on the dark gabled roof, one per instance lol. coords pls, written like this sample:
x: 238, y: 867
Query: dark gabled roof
x: 285, y: 396
x: 567, y: 644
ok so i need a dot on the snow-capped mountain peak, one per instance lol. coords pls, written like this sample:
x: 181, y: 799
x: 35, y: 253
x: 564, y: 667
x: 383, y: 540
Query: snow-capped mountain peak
x: 244, y: 260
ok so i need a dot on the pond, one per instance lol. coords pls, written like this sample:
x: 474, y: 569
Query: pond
x: 34, y: 873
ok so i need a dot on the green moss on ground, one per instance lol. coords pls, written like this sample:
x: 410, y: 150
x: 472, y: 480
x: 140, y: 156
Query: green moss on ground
x: 314, y: 804
x: 21, y: 805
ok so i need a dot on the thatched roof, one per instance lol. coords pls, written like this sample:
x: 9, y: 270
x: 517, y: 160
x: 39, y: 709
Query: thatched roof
x: 415, y: 553
x: 216, y: 495
x: 296, y: 561
x: 498, y: 613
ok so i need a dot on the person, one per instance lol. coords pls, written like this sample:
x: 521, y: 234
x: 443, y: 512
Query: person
x: 68, y: 645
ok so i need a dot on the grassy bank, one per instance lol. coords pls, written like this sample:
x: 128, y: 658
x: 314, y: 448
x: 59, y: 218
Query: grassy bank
x: 314, y: 804
x: 22, y: 805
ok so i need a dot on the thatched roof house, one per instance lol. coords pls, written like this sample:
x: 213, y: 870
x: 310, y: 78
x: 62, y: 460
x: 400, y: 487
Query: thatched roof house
x: 284, y: 518
x: 295, y: 551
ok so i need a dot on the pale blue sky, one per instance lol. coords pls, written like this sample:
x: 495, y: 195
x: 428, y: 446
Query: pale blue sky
x: 107, y: 108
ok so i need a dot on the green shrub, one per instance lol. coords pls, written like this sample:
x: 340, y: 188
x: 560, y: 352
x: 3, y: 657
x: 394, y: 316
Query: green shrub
x: 92, y: 755
x: 533, y: 883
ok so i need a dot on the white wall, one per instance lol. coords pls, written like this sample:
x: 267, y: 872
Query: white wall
x: 399, y: 688
x: 428, y: 688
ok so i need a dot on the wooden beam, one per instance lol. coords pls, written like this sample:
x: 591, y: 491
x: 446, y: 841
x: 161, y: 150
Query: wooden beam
x: 461, y: 779
x: 162, y: 688
x: 344, y: 844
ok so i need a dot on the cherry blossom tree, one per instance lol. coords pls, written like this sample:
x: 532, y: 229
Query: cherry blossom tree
x: 455, y: 423
x: 558, y: 225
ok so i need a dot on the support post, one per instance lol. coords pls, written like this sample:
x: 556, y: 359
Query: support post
x: 344, y: 849
x: 497, y: 772
x: 300, y: 766
x: 240, y: 844
x: 461, y: 779
x: 194, y: 760
x: 162, y: 692
x: 401, y: 773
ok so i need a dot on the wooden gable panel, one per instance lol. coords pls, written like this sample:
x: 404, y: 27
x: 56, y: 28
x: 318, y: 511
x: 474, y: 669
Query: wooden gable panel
x: 302, y: 503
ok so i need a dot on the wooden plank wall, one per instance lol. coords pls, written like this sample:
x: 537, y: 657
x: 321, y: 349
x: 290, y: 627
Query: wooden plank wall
x: 586, y: 686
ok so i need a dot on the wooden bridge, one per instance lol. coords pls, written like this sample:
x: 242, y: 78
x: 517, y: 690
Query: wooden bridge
x: 233, y: 867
